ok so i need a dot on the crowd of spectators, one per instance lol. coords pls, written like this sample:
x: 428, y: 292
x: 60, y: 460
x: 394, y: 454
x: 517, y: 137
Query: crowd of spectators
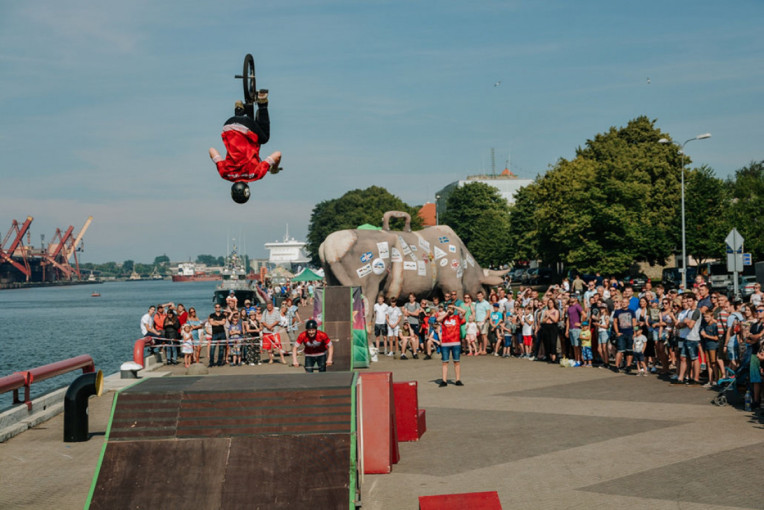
x: 696, y: 337
x: 233, y: 334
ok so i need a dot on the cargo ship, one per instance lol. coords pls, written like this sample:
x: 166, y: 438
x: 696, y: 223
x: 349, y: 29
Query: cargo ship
x: 190, y: 272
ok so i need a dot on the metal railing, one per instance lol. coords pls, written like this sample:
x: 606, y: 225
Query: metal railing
x: 24, y: 379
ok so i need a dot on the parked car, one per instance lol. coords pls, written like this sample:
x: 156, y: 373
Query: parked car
x: 745, y: 287
x: 672, y: 277
x: 529, y: 276
x: 636, y: 280
x: 517, y: 275
x: 546, y: 276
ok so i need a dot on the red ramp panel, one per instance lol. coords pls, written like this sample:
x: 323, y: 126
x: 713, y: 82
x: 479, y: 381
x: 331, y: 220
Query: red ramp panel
x: 409, y: 419
x: 469, y: 500
x: 379, y: 435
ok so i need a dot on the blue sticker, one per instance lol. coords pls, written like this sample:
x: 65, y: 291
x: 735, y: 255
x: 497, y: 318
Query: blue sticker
x: 366, y: 257
x: 443, y: 239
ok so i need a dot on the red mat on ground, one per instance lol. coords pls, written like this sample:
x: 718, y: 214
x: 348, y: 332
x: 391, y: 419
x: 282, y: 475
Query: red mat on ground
x: 379, y: 436
x: 409, y: 419
x: 470, y: 500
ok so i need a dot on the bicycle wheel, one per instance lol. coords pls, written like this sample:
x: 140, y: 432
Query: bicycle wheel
x: 248, y: 79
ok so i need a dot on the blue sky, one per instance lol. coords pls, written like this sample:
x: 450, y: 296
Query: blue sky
x: 108, y: 108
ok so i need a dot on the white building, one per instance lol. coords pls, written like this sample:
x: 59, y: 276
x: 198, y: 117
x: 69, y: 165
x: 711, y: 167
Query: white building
x: 289, y: 252
x: 506, y: 182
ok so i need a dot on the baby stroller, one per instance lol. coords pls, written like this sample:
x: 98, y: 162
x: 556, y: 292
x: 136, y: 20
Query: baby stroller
x: 729, y: 392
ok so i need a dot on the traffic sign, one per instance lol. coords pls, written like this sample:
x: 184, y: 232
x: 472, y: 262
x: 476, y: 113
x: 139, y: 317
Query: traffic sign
x: 734, y: 241
x: 747, y: 259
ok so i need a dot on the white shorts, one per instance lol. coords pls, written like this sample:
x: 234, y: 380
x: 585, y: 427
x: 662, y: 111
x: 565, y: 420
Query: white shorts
x: 393, y: 331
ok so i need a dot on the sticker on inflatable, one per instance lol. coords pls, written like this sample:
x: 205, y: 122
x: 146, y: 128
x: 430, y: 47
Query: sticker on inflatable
x: 464, y: 264
x: 455, y: 264
x: 452, y: 248
x: 366, y: 256
x: 395, y: 255
x: 412, y: 247
x: 470, y: 261
x: 364, y: 271
x: 439, y: 254
x: 443, y: 262
x: 404, y: 246
x: 409, y: 266
x: 384, y: 250
x: 424, y: 245
x: 421, y: 268
x: 443, y: 239
x: 459, y: 273
x: 378, y: 266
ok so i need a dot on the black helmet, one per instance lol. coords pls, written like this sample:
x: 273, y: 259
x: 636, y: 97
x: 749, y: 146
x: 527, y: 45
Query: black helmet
x: 311, y: 324
x: 240, y: 192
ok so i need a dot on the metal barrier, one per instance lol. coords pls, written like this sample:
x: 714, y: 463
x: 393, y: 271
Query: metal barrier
x: 138, y: 348
x: 25, y: 378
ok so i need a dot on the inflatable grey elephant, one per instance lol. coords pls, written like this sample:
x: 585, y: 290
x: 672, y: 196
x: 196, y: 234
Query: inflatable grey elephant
x: 395, y: 263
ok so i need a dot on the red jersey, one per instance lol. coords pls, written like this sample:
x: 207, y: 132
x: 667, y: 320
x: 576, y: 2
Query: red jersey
x: 242, y: 161
x: 451, y: 330
x: 316, y: 346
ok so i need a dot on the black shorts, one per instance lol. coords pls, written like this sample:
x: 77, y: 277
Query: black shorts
x: 380, y: 329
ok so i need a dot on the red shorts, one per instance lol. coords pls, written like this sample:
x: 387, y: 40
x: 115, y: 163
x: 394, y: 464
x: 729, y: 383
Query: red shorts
x: 527, y: 340
x: 271, y: 341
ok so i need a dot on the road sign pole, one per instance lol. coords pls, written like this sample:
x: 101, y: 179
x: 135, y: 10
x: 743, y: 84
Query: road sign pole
x: 734, y: 252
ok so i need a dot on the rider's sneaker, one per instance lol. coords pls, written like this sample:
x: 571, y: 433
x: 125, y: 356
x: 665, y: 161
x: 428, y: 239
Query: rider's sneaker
x: 262, y: 96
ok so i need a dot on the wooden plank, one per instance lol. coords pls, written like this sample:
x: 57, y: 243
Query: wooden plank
x: 162, y: 474
x: 292, y: 472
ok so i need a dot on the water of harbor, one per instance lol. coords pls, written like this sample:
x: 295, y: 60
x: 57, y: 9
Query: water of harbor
x: 48, y: 324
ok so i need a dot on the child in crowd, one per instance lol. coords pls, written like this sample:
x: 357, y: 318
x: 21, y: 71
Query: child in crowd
x: 187, y: 344
x: 586, y: 344
x: 527, y: 321
x: 640, y: 341
x: 408, y: 339
x: 603, y: 336
x: 709, y: 336
x: 496, y: 319
x: 471, y: 336
x: 433, y: 333
x: 508, y: 328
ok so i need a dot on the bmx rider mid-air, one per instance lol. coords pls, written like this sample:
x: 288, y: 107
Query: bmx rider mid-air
x: 243, y: 134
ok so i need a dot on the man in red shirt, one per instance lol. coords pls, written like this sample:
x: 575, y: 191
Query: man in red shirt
x: 451, y: 343
x: 243, y: 134
x: 318, y: 348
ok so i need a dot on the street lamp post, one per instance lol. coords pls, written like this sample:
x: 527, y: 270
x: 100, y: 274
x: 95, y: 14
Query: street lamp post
x: 437, y: 199
x: 684, y: 231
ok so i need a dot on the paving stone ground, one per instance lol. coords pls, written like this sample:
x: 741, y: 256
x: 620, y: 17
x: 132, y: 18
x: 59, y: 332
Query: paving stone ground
x: 540, y: 435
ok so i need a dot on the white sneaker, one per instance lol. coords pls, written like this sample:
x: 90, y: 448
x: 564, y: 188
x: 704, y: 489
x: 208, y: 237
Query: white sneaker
x: 390, y: 354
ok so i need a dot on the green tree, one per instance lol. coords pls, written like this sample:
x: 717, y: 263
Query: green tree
x: 523, y: 225
x: 480, y: 217
x: 746, y: 192
x: 613, y: 204
x: 127, y: 267
x: 707, y: 220
x: 161, y: 260
x: 353, y: 209
x: 208, y: 260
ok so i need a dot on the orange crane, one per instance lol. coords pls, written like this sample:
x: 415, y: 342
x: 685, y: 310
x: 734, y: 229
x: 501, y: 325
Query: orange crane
x: 7, y: 255
x: 74, y: 247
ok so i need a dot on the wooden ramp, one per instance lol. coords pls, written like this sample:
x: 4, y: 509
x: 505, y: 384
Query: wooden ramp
x: 249, y: 441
